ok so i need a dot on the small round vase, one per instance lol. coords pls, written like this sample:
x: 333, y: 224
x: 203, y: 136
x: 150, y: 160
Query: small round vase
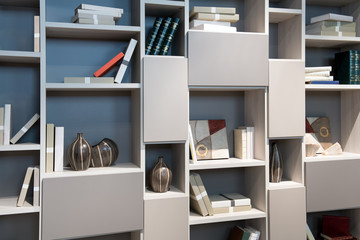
x: 160, y: 176
x: 79, y: 153
x: 104, y: 153
x: 276, y: 164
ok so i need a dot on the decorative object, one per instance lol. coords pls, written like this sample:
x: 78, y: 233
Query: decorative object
x: 276, y: 165
x: 319, y: 128
x: 210, y: 139
x: 104, y: 153
x: 311, y: 144
x: 79, y: 153
x: 335, y: 149
x: 160, y: 176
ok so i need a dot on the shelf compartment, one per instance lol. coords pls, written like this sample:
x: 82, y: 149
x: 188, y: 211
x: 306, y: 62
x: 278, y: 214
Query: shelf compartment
x: 330, y: 3
x: 20, y: 226
x: 330, y: 41
x: 92, y: 87
x: 163, y: 7
x: 292, y: 4
x: 226, y: 163
x: 277, y: 15
x: 20, y: 147
x: 19, y: 56
x: 8, y: 207
x: 195, y: 219
x: 173, y: 192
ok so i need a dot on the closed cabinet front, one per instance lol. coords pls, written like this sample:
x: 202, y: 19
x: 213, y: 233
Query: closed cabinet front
x: 166, y: 219
x: 228, y: 59
x: 166, y: 98
x: 286, y: 98
x: 287, y: 214
x: 75, y: 207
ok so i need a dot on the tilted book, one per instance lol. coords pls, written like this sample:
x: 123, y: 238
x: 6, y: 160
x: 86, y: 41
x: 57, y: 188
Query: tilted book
x: 59, y: 149
x: 110, y: 64
x: 116, y: 15
x: 169, y: 38
x: 222, y: 10
x: 332, y: 16
x: 255, y: 234
x: 100, y: 8
x: 217, y: 17
x: 152, y: 36
x: 25, y: 187
x: 94, y: 21
x: 25, y: 128
x: 160, y: 37
x: 237, y: 199
x: 196, y: 201
x: 203, y: 193
x: 36, y: 34
x: 95, y: 17
x: 192, y: 146
x: 2, y: 111
x: 89, y: 80
x: 50, y: 131
x: 195, y: 23
x: 36, y: 199
x: 125, y: 62
x: 7, y: 124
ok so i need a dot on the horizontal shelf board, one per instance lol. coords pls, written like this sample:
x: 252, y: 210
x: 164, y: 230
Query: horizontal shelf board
x: 222, y: 33
x: 254, y: 213
x: 277, y: 15
x: 116, y: 169
x: 19, y: 56
x: 330, y: 3
x: 227, y: 88
x: 8, y: 206
x: 172, y: 193
x: 284, y: 185
x: 330, y: 41
x: 92, y: 86
x: 20, y: 147
x: 343, y: 156
x: 331, y: 87
x: 75, y: 30
x: 163, y: 8
x: 225, y: 163
x: 20, y: 3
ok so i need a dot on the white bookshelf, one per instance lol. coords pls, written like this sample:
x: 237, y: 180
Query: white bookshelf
x: 8, y: 207
x: 173, y: 192
x: 90, y: 87
x: 225, y: 163
x: 19, y: 56
x: 20, y: 147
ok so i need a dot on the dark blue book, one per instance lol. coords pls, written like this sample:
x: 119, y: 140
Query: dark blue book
x: 323, y: 82
x: 152, y: 35
x: 160, y: 37
x: 170, y: 36
x: 344, y: 69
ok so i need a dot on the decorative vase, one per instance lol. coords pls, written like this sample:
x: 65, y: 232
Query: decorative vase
x: 160, y: 176
x: 276, y: 165
x: 104, y: 153
x: 79, y: 153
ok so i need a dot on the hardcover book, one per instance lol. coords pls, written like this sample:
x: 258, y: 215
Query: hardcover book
x: 318, y: 69
x: 191, y: 145
x: 237, y: 199
x: 25, y: 187
x: 89, y: 80
x: 125, y: 62
x: 2, y: 112
x: 95, y: 17
x: 195, y: 23
x: 214, y: 28
x: 222, y: 10
x: 240, y: 143
x: 319, y: 74
x: 101, y: 8
x: 330, y: 33
x: 335, y: 226
x: 36, y: 198
x: 344, y: 70
x: 318, y: 78
x: 50, y: 131
x: 152, y: 36
x: 104, y: 69
x: 217, y: 17
x: 196, y: 200
x: 241, y: 208
x: 203, y: 193
x: 333, y: 26
x: 160, y: 37
x: 94, y: 21
x: 7, y: 124
x: 36, y: 34
x: 25, y: 128
x: 239, y: 233
x: 254, y: 234
x: 218, y: 200
x: 170, y: 34
x: 116, y: 15
x: 59, y: 149
x: 332, y: 16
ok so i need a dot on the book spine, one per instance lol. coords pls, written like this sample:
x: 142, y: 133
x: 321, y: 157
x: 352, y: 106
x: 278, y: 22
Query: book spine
x: 104, y: 69
x: 170, y: 36
x: 36, y: 198
x: 243, y: 143
x: 204, y: 194
x: 25, y: 187
x: 248, y: 143
x: 36, y: 34
x: 49, y: 147
x: 318, y: 69
x: 345, y: 67
x: 196, y: 201
x: 192, y: 146
x: 100, y: 8
x: 357, y: 66
x: 59, y: 149
x: 125, y: 62
x: 2, y: 111
x: 152, y: 36
x: 25, y: 128
x: 161, y: 36
x: 7, y: 124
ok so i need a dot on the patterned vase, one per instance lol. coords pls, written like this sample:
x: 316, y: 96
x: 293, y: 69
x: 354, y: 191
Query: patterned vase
x: 160, y: 176
x: 276, y: 165
x: 79, y: 153
x: 104, y: 153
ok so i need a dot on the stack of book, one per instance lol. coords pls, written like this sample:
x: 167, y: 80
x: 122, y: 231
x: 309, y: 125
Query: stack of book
x: 218, y: 19
x: 347, y: 67
x: 244, y: 142
x: 319, y: 75
x: 244, y: 233
x: 230, y: 202
x: 161, y: 36
x: 92, y: 14
x: 5, y: 126
x: 54, y: 148
x: 25, y: 186
x: 336, y: 228
x: 332, y: 25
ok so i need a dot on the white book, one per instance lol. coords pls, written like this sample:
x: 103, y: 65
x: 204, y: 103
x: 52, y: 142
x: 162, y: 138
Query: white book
x: 252, y: 140
x: 237, y: 199
x: 125, y: 62
x: 36, y: 199
x: 240, y: 143
x: 100, y: 8
x: 50, y: 131
x: 7, y: 124
x: 332, y: 16
x: 2, y: 111
x: 95, y: 17
x: 318, y: 78
x: 195, y: 23
x: 36, y: 34
x: 218, y: 201
x: 248, y: 143
x: 318, y: 69
x: 59, y: 149
x: 214, y: 28
x: 321, y: 73
x: 25, y: 128
x: 192, y: 146
x: 25, y: 187
x: 116, y: 16
x: 95, y: 22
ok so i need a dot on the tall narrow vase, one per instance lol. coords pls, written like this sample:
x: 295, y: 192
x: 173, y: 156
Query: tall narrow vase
x: 160, y: 176
x: 79, y: 153
x: 276, y: 164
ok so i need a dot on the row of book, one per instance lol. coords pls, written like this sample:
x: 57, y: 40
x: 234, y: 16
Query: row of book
x: 332, y: 25
x: 319, y: 75
x: 54, y: 160
x: 347, y: 67
x: 208, y: 205
x: 244, y: 233
x: 161, y: 36
x: 244, y: 142
x: 93, y: 14
x: 217, y: 19
x: 5, y: 126
x: 31, y: 172
x: 121, y: 58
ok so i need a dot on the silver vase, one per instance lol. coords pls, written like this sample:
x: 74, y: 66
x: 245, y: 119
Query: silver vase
x: 276, y: 164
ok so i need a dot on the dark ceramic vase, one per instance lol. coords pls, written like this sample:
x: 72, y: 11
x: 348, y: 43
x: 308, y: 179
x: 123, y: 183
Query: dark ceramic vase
x: 276, y: 165
x: 160, y: 176
x: 79, y: 153
x: 104, y: 153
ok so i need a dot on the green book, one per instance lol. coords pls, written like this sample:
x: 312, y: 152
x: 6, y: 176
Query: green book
x: 357, y: 66
x: 345, y: 67
x: 152, y: 36
x: 170, y: 36
x: 160, y: 37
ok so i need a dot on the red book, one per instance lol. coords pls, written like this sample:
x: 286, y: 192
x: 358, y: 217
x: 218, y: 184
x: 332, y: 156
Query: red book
x: 335, y: 226
x: 104, y: 69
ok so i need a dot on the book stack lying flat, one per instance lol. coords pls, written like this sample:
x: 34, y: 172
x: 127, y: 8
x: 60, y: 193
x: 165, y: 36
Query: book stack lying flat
x: 92, y: 14
x: 229, y: 202
x: 332, y: 25
x: 336, y: 228
x: 214, y: 19
x: 247, y: 233
x: 347, y: 67
x: 319, y: 75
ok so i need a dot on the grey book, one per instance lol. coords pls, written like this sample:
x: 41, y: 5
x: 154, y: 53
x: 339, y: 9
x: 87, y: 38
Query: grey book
x: 25, y: 128
x: 96, y: 17
x: 94, y: 21
x: 50, y: 132
x: 88, y: 80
